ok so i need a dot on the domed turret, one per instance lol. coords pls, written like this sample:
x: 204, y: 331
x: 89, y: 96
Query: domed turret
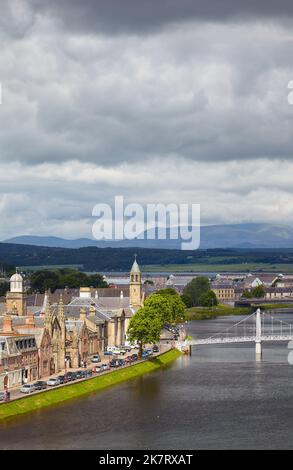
x: 16, y: 283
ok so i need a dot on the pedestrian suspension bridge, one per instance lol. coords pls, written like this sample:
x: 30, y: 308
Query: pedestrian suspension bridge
x: 257, y: 328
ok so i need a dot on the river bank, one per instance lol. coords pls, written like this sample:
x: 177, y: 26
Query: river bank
x: 209, y: 313
x: 58, y: 395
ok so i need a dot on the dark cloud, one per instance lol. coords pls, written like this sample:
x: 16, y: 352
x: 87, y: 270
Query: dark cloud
x: 141, y: 16
x: 100, y: 98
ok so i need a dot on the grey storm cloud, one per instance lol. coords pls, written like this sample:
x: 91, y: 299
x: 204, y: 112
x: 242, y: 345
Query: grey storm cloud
x: 171, y: 100
x: 141, y: 16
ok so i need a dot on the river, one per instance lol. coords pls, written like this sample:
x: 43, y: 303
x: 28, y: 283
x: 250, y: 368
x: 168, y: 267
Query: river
x: 219, y: 398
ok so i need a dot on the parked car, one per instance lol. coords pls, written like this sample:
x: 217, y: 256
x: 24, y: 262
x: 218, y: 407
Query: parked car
x: 121, y: 362
x: 70, y: 376
x: 96, y: 358
x: 124, y: 349
x: 40, y: 385
x: 61, y: 378
x: 27, y: 388
x: 80, y: 374
x: 105, y: 366
x: 114, y: 363
x: 53, y: 382
x: 88, y: 372
x: 116, y: 351
x: 2, y: 396
x: 146, y: 353
x: 134, y: 357
x: 156, y: 349
x: 108, y: 353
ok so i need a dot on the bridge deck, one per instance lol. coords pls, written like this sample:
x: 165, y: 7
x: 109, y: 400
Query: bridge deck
x: 240, y: 339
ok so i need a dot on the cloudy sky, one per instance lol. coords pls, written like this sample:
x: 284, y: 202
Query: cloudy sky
x: 156, y: 100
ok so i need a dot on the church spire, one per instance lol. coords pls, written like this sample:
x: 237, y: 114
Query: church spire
x: 135, y: 285
x: 61, y: 309
x: 47, y: 320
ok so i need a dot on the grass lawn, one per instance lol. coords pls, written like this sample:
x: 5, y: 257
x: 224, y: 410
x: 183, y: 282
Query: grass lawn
x: 206, y: 313
x: 237, y: 268
x: 58, y: 395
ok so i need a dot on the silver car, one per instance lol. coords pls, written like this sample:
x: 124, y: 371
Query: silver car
x: 53, y: 382
x: 27, y: 388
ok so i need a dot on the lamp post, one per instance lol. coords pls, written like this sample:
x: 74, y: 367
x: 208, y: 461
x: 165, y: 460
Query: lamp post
x: 65, y: 370
x: 6, y: 379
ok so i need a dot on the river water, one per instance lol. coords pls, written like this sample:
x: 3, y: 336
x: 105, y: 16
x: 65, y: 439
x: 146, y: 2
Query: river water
x: 219, y: 398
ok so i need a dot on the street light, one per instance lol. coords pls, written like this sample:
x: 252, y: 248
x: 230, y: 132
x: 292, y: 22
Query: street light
x: 65, y: 369
x: 6, y: 379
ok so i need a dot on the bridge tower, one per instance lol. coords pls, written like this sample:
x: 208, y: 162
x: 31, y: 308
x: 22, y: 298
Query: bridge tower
x: 258, y: 348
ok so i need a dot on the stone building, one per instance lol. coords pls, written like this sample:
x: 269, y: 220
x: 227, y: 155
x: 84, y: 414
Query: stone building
x: 16, y: 297
x: 19, y: 355
x: 38, y: 342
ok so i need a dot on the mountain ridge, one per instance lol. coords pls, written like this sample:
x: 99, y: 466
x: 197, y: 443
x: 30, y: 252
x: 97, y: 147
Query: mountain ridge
x: 246, y: 235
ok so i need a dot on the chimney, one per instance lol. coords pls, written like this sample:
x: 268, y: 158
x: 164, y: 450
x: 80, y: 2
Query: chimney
x: 82, y: 314
x: 7, y: 324
x: 30, y: 320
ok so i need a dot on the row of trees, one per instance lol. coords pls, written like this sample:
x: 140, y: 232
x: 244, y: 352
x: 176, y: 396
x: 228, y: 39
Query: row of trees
x: 256, y: 292
x: 160, y: 308
x: 61, y: 278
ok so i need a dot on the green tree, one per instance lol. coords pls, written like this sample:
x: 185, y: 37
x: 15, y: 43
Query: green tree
x: 167, y: 291
x: 195, y: 288
x: 247, y: 294
x: 187, y: 299
x: 161, y: 306
x: 65, y: 277
x: 176, y: 303
x: 44, y: 280
x: 145, y: 327
x: 208, y: 299
x: 95, y: 280
x: 258, y: 291
x: 4, y: 287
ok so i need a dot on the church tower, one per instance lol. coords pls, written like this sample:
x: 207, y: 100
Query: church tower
x: 135, y: 285
x: 16, y: 297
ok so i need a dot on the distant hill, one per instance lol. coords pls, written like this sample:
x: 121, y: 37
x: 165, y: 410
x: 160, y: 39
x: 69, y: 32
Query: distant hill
x: 120, y: 259
x: 213, y: 236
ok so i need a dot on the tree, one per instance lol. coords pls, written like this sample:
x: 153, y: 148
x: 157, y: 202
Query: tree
x: 208, y: 299
x: 178, y: 308
x: 145, y: 327
x: 65, y: 277
x: 258, y: 291
x: 247, y: 294
x: 161, y: 306
x: 95, y: 280
x: 4, y: 287
x: 167, y: 291
x: 44, y: 280
x: 195, y: 288
x: 187, y: 299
